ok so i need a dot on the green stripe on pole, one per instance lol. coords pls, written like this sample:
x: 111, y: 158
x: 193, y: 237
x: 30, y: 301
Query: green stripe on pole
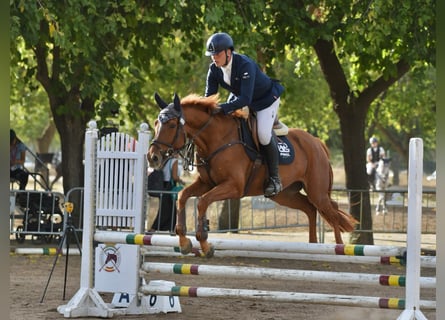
x: 129, y: 239
x: 177, y: 268
x: 359, y: 250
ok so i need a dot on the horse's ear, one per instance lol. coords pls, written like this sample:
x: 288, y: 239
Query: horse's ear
x: 161, y: 103
x: 177, y: 102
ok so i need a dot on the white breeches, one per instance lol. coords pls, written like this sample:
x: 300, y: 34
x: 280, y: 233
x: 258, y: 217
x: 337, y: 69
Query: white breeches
x: 265, y: 121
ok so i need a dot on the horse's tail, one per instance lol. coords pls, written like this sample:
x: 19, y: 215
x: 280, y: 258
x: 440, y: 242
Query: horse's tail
x: 346, y: 222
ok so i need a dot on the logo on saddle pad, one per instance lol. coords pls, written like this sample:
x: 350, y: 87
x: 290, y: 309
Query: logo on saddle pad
x: 285, y: 150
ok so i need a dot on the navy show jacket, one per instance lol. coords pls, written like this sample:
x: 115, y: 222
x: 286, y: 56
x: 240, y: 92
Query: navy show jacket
x: 249, y: 85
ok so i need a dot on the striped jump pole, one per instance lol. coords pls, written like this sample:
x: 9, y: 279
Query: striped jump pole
x: 426, y: 261
x: 280, y: 296
x: 47, y: 251
x: 253, y: 245
x: 283, y: 274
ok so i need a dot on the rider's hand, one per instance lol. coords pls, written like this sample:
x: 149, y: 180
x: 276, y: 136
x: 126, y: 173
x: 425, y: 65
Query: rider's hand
x: 242, y: 113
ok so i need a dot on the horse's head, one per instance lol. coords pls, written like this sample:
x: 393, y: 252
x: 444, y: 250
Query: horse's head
x: 169, y: 135
x: 171, y: 129
x: 383, y: 167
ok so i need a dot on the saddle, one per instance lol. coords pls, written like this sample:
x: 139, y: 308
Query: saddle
x: 248, y: 133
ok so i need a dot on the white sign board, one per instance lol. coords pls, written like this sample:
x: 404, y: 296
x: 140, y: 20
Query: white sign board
x: 117, y: 268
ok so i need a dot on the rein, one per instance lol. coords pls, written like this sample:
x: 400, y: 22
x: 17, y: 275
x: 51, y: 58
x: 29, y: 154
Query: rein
x: 205, y: 161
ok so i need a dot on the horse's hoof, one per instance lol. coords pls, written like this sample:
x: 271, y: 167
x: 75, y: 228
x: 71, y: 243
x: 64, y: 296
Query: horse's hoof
x: 210, y: 252
x: 187, y: 248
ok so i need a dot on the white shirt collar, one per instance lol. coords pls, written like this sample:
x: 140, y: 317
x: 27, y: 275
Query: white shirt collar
x: 227, y: 70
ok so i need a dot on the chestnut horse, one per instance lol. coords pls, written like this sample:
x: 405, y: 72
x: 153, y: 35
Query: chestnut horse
x: 226, y: 172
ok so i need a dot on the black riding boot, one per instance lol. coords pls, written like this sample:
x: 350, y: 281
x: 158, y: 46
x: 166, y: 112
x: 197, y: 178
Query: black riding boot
x: 270, y: 151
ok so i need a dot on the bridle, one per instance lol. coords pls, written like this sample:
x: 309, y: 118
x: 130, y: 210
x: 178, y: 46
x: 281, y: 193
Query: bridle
x: 186, y: 150
x: 170, y: 150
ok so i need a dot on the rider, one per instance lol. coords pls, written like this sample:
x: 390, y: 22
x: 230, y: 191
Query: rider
x: 374, y: 153
x: 248, y: 86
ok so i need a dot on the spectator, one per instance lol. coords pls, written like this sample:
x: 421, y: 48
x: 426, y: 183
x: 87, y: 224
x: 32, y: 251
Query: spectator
x: 166, y: 217
x: 374, y: 153
x: 17, y: 155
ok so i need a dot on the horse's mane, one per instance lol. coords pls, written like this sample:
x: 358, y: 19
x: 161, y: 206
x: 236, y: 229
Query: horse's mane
x: 193, y: 99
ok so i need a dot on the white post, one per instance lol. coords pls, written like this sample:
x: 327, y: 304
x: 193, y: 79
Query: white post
x: 91, y: 136
x: 415, y: 174
x: 87, y: 301
x: 141, y: 175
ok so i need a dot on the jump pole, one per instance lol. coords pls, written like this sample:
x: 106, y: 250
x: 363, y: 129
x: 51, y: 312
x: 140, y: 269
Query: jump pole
x: 155, y: 251
x: 155, y: 288
x: 253, y: 245
x: 282, y: 274
x: 47, y: 251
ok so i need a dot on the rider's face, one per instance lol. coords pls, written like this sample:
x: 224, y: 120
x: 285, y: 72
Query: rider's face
x: 220, y: 58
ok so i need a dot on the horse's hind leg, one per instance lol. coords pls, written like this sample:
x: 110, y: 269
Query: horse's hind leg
x: 294, y: 199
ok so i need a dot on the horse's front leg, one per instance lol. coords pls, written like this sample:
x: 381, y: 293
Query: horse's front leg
x: 202, y: 230
x: 220, y: 192
x: 195, y: 189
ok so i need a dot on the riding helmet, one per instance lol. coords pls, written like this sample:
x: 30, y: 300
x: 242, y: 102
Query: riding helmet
x: 372, y: 140
x: 218, y: 42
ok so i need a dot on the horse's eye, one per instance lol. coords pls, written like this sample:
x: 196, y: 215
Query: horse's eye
x: 172, y: 125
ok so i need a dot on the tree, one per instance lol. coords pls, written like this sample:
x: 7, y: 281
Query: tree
x: 79, y: 52
x: 362, y: 52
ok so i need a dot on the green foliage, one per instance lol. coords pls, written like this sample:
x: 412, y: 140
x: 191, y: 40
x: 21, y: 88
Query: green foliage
x: 406, y: 110
x: 305, y: 102
x: 118, y: 53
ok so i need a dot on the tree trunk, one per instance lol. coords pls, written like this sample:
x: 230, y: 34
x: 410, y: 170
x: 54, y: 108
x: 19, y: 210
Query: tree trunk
x: 71, y: 127
x: 352, y: 125
x: 395, y: 167
x: 351, y: 112
x: 47, y: 137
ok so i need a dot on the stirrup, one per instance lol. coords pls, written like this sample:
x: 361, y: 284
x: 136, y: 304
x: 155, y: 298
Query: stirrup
x: 273, y: 188
x: 280, y: 129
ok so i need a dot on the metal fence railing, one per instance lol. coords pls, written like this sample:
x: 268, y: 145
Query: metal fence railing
x: 395, y: 218
x: 254, y: 214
